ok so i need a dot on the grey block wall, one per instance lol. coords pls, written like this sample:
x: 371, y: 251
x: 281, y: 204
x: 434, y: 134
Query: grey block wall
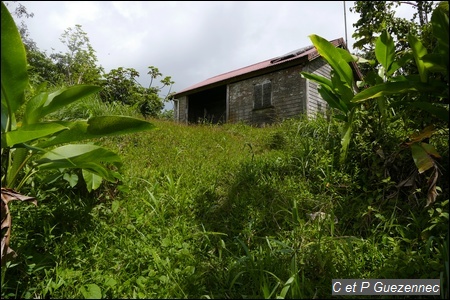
x: 292, y: 95
x: 288, y: 93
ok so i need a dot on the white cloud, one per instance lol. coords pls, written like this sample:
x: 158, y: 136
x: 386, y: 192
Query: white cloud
x: 74, y: 12
x: 189, y: 40
x: 131, y: 10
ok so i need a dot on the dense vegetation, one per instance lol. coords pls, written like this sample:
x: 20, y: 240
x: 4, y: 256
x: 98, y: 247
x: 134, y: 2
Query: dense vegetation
x: 233, y: 211
x: 223, y: 212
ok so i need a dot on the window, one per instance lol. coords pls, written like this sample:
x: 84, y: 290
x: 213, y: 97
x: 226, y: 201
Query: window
x: 262, y: 95
x: 176, y: 109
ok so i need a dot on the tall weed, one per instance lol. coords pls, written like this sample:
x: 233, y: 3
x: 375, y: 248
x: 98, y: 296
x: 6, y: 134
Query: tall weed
x: 209, y: 211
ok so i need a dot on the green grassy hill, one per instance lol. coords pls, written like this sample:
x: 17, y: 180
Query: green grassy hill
x: 209, y: 211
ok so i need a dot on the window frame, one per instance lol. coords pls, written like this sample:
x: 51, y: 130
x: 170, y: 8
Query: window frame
x: 262, y: 95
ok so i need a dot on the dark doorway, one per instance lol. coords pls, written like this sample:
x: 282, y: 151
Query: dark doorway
x: 208, y: 106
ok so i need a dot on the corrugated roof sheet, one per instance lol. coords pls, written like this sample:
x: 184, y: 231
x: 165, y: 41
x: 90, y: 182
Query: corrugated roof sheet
x: 310, y: 52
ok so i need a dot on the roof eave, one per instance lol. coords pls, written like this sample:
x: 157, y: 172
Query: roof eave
x: 270, y: 69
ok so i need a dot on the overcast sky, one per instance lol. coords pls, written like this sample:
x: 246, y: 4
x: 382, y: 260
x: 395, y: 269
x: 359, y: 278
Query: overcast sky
x: 188, y: 40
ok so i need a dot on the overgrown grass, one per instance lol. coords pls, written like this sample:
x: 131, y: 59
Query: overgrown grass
x: 209, y: 211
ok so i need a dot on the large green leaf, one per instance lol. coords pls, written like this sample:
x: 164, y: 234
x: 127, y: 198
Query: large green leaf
x: 80, y: 156
x: 348, y: 57
x: 385, y: 54
x: 419, y: 51
x: 385, y: 50
x: 329, y: 52
x: 344, y: 91
x: 317, y: 78
x: 77, y: 131
x: 79, y: 153
x: 14, y: 76
x: 33, y: 107
x: 28, y: 133
x: 389, y: 88
x: 92, y: 180
x: 332, y: 99
x: 436, y: 62
x: 97, y: 127
x: 20, y: 155
x: 326, y: 90
x: 396, y: 64
x: 112, y: 125
x: 44, y: 104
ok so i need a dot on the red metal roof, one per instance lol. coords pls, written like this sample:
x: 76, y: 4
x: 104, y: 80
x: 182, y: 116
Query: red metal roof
x: 309, y: 53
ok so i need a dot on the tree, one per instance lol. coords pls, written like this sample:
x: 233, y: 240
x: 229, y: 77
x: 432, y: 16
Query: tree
x: 121, y: 85
x: 153, y: 103
x: 166, y: 81
x: 21, y: 11
x: 41, y: 68
x: 79, y: 64
x: 376, y: 16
